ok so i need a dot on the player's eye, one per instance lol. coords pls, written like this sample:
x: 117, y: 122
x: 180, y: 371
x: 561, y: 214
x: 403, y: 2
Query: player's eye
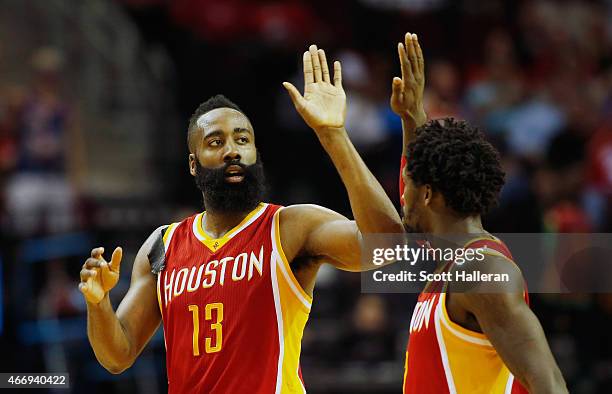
x: 214, y: 142
x: 243, y: 140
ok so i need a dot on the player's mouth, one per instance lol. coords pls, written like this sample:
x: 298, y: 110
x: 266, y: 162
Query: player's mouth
x: 234, y: 174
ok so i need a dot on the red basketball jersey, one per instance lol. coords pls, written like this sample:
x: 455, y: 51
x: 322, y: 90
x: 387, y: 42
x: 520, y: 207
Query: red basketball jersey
x: 445, y: 358
x: 233, y: 313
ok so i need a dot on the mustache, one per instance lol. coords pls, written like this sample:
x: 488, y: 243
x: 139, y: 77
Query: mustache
x: 225, y: 166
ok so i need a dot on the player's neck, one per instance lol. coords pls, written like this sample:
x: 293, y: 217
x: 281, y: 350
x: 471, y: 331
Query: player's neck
x: 451, y: 224
x: 217, y: 224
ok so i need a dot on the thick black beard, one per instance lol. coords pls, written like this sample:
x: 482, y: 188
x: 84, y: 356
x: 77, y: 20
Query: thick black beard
x: 222, y: 196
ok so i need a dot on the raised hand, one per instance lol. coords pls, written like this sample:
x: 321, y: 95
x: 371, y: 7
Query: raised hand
x: 98, y: 277
x: 407, y: 91
x: 323, y: 104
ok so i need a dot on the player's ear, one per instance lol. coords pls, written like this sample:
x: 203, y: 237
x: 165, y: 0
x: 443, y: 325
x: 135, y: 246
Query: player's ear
x: 192, y: 164
x: 427, y: 195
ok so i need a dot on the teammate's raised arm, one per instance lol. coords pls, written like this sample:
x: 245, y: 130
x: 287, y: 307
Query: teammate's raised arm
x: 407, y: 95
x: 118, y: 338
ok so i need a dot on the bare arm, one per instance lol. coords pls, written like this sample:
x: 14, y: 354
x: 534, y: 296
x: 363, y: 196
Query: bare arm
x: 309, y: 230
x: 373, y: 210
x: 118, y: 338
x: 516, y: 334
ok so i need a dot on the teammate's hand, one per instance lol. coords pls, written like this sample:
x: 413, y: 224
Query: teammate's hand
x: 98, y: 277
x: 407, y: 91
x: 324, y: 103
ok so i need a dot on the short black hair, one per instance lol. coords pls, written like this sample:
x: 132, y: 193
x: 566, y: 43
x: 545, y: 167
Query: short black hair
x: 455, y: 159
x: 216, y: 101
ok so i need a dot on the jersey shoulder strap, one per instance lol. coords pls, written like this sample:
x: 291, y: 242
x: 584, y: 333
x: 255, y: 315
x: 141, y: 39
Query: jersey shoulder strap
x: 157, y: 254
x: 494, y: 246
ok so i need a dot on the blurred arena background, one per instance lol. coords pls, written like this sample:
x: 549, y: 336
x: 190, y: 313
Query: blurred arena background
x: 94, y: 101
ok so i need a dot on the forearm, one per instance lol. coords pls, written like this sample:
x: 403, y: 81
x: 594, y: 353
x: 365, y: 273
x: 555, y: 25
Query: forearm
x: 409, y: 127
x: 372, y: 208
x: 107, y: 337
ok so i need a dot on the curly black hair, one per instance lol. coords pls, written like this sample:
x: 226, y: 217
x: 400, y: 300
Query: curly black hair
x: 217, y: 101
x: 455, y: 159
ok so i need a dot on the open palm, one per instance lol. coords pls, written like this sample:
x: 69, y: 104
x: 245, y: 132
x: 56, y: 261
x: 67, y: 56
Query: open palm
x: 324, y: 103
x: 407, y: 92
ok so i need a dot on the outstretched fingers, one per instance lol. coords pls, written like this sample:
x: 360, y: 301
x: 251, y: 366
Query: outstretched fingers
x: 324, y: 67
x: 420, y: 60
x: 308, y: 71
x: 404, y: 63
x: 316, y: 63
x: 411, y: 50
x: 337, y: 74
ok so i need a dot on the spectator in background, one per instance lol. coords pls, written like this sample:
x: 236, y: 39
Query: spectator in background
x: 41, y: 193
x: 560, y: 184
x: 369, y: 340
x: 364, y: 117
x: 598, y: 198
x: 442, y: 91
x: 496, y: 85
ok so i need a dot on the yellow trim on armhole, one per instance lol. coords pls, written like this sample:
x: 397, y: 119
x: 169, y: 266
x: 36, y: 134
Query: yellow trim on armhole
x: 167, y: 238
x: 286, y: 267
x: 473, y: 337
x: 159, y: 293
x: 405, y: 374
x: 493, y: 239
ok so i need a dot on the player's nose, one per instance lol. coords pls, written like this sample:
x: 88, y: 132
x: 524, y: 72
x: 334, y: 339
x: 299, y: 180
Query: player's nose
x: 231, y: 153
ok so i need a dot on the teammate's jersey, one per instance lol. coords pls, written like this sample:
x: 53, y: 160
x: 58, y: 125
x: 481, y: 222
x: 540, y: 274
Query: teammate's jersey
x: 403, y: 163
x: 233, y: 313
x: 445, y: 358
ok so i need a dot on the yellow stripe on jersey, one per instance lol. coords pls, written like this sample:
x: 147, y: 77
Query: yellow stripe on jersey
x: 295, y: 286
x: 295, y: 317
x: 405, y: 374
x: 295, y: 308
x: 473, y: 363
x: 159, y: 293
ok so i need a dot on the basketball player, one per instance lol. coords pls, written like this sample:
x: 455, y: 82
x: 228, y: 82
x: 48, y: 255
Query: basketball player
x: 462, y: 342
x: 233, y: 285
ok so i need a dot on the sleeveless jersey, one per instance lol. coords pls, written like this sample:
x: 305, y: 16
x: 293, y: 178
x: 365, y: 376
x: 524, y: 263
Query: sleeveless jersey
x: 233, y: 313
x: 444, y: 358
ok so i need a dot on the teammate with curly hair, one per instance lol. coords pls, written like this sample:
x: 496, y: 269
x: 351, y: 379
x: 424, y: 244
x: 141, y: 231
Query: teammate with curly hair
x: 483, y: 341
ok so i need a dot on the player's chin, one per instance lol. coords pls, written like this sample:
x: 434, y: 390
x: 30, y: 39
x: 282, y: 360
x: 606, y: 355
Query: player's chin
x: 234, y: 179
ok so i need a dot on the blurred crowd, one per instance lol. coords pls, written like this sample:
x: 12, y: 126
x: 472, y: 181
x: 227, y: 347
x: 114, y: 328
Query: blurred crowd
x: 536, y: 76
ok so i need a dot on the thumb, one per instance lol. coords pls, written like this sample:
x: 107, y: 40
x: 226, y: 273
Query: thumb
x: 115, y: 262
x: 396, y: 88
x: 295, y: 95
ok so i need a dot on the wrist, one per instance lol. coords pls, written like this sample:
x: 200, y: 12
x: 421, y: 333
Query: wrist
x: 327, y: 132
x: 419, y: 119
x: 102, y: 304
